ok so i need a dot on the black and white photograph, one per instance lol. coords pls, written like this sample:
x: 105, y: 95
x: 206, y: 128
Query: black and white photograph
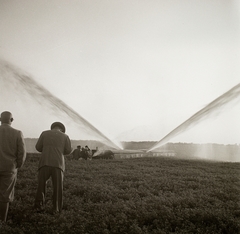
x: 120, y: 116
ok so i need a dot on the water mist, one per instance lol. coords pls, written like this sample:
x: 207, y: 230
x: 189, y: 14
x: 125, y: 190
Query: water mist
x: 212, y: 108
x: 10, y: 75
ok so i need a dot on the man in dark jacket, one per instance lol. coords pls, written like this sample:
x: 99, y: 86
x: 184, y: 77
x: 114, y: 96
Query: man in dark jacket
x: 12, y: 157
x: 53, y: 144
x: 77, y: 153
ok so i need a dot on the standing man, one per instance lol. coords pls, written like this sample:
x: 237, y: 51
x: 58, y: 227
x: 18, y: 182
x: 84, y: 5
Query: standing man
x: 53, y: 144
x: 77, y: 153
x: 88, y: 152
x: 12, y: 157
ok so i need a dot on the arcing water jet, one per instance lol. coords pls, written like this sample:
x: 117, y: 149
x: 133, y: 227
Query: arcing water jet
x: 13, y: 76
x: 211, y: 108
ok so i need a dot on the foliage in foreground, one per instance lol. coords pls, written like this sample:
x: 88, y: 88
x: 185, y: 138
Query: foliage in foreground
x: 133, y: 196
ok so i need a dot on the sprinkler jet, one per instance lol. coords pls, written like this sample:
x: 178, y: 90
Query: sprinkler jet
x: 42, y: 96
x: 211, y: 108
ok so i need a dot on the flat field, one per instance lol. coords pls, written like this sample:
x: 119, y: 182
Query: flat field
x: 133, y: 196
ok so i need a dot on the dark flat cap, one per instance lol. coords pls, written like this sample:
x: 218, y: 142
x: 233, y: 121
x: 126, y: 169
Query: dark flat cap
x: 59, y: 125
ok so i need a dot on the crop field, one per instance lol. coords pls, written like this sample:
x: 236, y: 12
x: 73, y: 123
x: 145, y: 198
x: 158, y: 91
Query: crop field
x: 132, y: 196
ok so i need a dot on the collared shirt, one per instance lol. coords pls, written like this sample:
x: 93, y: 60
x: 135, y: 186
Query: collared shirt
x: 12, y: 148
x: 53, y: 145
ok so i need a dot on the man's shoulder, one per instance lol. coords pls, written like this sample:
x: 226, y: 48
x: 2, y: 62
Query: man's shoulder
x: 16, y: 130
x: 46, y: 132
x: 51, y: 132
x: 7, y: 126
x: 63, y: 134
x: 66, y: 136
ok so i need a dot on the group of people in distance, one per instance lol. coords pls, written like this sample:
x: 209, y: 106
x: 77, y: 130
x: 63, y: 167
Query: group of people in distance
x: 82, y: 153
x: 53, y: 145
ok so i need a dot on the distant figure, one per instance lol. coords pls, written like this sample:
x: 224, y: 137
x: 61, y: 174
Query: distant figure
x: 88, y: 152
x: 53, y: 144
x: 77, y: 153
x: 84, y: 153
x: 12, y: 157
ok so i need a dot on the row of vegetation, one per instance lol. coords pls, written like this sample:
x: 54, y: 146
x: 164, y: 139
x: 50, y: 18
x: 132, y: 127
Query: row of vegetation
x: 133, y: 196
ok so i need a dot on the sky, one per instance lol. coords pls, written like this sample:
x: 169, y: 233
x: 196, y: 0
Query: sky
x: 134, y: 69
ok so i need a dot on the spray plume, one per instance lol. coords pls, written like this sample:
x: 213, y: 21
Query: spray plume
x: 12, y: 75
x: 211, y: 108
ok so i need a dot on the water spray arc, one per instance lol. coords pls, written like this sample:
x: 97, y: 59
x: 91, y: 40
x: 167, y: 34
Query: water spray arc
x: 211, y: 108
x: 40, y: 94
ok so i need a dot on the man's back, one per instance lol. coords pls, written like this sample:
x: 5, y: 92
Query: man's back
x: 12, y: 148
x: 76, y: 154
x: 12, y: 157
x: 53, y: 145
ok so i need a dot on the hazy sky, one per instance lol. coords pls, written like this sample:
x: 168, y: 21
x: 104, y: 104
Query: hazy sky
x: 135, y: 69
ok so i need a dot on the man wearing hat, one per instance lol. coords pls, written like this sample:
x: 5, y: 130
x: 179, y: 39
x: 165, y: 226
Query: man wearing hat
x: 77, y: 153
x: 53, y: 144
x: 12, y: 157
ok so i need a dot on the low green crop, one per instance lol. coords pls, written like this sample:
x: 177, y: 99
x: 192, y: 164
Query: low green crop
x: 141, y: 195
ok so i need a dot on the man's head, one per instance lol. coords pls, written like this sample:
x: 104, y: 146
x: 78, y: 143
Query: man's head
x: 6, y: 117
x: 58, y: 125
